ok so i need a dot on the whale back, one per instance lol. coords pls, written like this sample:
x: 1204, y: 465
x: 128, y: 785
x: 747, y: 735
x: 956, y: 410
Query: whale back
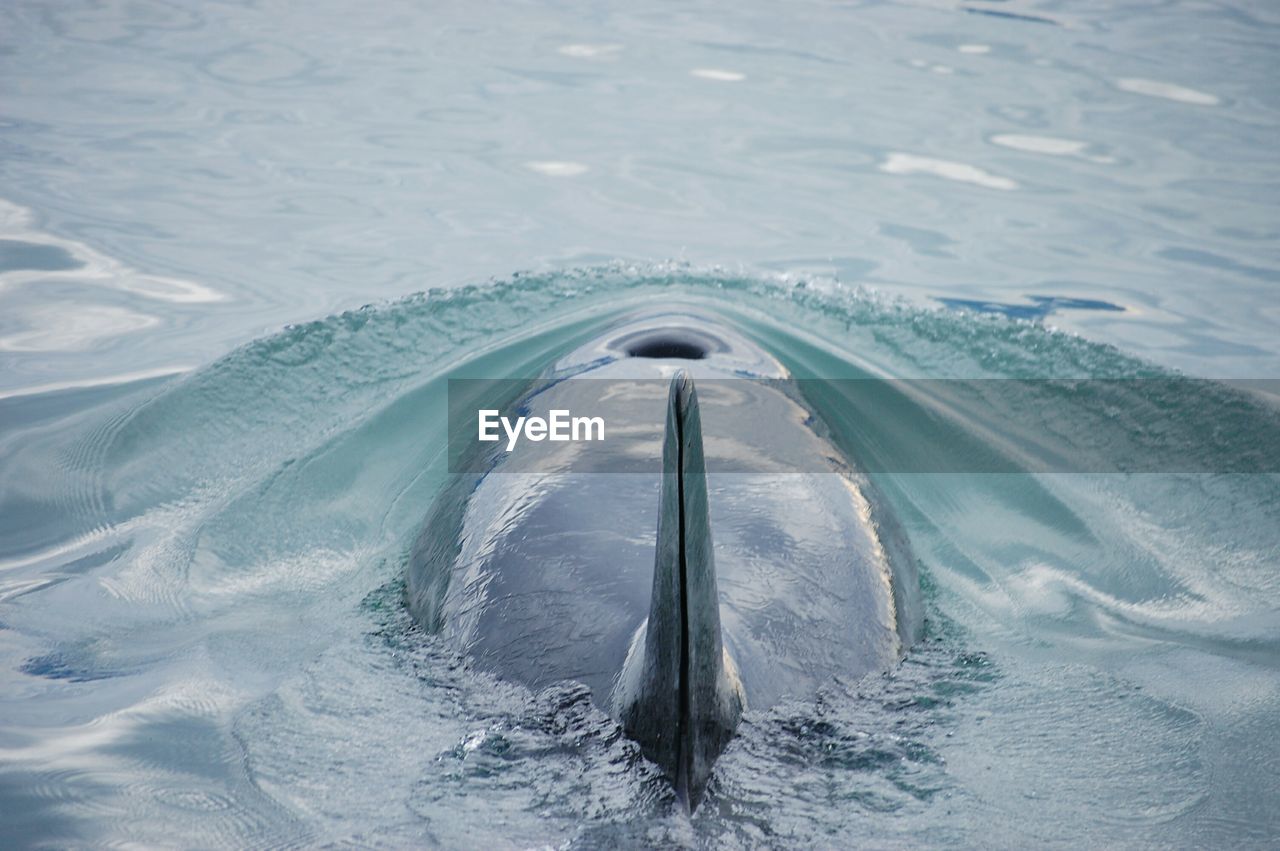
x: 546, y: 573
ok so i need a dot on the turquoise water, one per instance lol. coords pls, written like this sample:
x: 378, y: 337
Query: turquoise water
x: 203, y: 512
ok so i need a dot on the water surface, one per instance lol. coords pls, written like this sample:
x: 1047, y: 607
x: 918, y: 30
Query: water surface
x: 212, y: 457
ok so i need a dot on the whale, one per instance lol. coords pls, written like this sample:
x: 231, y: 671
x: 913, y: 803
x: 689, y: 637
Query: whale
x: 714, y: 555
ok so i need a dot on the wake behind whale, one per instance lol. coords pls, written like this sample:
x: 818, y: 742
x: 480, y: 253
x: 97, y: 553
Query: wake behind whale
x: 680, y: 597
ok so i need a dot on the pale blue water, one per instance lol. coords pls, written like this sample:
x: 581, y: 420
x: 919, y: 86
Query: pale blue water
x: 203, y: 514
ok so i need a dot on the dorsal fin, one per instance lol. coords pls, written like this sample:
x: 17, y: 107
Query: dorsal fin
x: 682, y: 700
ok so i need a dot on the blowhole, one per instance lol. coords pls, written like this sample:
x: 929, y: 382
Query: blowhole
x: 667, y: 346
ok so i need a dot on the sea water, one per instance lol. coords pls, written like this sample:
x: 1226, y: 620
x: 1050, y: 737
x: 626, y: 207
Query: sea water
x: 213, y: 454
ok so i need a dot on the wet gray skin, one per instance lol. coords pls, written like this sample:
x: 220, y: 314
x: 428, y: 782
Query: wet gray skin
x: 680, y: 597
